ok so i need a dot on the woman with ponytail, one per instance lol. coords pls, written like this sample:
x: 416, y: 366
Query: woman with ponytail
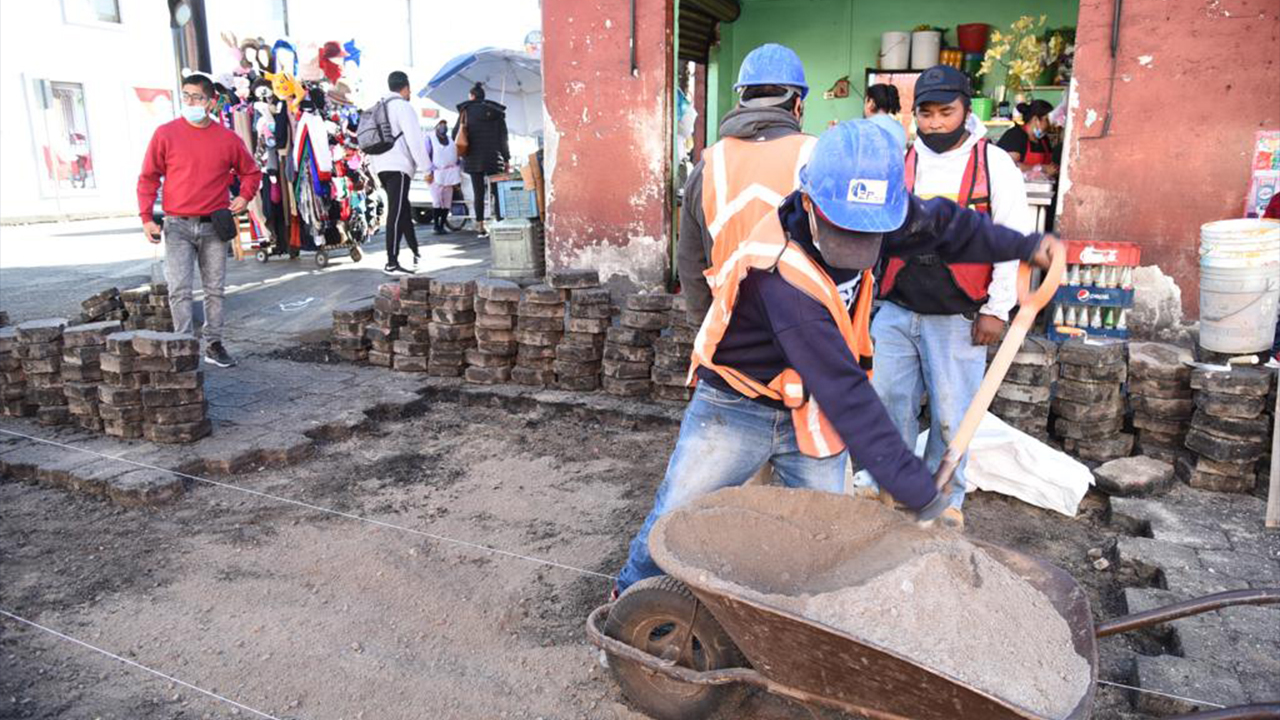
x: 1028, y: 144
x: 882, y: 107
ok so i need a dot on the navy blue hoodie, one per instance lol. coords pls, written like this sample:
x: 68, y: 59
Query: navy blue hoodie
x: 775, y: 326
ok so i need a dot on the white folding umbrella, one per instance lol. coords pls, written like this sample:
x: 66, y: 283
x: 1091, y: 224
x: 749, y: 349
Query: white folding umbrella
x: 510, y: 77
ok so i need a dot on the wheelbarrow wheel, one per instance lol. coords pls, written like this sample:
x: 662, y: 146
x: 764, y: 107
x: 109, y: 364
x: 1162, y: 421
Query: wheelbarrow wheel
x: 654, y: 615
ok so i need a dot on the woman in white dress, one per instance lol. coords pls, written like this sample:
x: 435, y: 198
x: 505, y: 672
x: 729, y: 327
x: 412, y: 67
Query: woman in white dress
x: 445, y: 173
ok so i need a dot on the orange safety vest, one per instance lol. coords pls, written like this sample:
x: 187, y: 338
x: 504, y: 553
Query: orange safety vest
x: 744, y: 180
x: 975, y: 194
x: 768, y: 249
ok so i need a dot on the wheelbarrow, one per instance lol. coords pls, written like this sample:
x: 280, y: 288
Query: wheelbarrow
x: 680, y: 646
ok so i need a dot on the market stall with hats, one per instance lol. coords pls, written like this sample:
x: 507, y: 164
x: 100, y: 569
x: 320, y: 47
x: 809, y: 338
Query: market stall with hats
x: 294, y: 110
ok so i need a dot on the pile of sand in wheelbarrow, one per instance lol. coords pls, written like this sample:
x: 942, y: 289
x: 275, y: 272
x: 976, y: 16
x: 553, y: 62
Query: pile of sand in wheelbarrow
x: 869, y: 571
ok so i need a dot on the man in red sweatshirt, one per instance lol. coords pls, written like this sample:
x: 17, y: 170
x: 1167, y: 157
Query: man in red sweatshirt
x: 198, y: 159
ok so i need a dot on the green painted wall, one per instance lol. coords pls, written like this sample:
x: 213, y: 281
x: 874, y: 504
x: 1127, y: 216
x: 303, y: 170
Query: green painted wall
x: 835, y: 38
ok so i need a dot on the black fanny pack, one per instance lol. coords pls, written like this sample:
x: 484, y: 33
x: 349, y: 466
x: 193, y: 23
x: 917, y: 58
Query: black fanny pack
x: 224, y: 224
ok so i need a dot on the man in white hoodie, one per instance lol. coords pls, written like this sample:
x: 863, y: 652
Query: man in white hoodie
x: 931, y: 332
x: 396, y: 168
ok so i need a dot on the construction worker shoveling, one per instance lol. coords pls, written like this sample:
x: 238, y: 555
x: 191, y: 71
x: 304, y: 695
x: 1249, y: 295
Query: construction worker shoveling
x: 783, y: 357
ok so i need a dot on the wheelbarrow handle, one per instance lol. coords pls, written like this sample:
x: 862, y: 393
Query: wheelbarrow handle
x: 1030, y: 305
x: 1194, y: 606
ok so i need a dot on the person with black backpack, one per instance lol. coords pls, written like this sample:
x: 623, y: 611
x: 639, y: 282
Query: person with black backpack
x: 390, y: 135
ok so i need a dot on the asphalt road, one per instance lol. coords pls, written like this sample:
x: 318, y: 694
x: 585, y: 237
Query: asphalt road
x: 47, y: 269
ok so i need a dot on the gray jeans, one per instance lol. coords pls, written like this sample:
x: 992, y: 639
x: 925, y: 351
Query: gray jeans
x: 186, y: 243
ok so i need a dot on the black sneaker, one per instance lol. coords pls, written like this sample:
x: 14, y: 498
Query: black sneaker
x: 215, y: 354
x: 395, y: 270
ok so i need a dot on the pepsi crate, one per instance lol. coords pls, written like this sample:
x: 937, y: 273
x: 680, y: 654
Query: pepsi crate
x: 1093, y: 295
x: 516, y: 202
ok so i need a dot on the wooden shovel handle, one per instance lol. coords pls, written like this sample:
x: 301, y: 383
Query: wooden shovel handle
x: 1030, y: 305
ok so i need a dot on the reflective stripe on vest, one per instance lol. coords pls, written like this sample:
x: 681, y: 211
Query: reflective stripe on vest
x: 768, y: 249
x: 742, y: 181
x: 975, y: 194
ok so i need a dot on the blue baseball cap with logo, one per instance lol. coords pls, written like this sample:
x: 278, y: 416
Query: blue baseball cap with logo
x: 941, y: 84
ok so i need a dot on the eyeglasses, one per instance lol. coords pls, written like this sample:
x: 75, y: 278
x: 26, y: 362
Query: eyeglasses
x: 189, y: 98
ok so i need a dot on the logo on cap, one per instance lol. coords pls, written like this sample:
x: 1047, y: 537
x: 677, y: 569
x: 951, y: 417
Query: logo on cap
x: 872, y: 192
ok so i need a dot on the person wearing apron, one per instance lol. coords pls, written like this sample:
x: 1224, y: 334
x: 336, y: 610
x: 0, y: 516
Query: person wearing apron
x: 1028, y: 143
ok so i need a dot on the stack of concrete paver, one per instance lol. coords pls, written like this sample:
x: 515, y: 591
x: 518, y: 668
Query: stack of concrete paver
x: 453, y: 326
x: 383, y: 329
x: 105, y: 305
x: 540, y: 324
x: 40, y: 348
x: 173, y: 402
x: 349, y: 320
x: 412, y: 347
x: 578, y: 355
x: 1089, y: 405
x: 147, y: 308
x: 82, y: 348
x: 672, y: 353
x: 120, y: 393
x: 490, y: 361
x: 1230, y: 429
x: 628, y: 348
x: 1160, y: 397
x: 13, y: 381
x: 1023, y: 398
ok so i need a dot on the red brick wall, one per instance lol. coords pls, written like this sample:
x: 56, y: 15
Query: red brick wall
x: 608, y: 138
x: 1194, y: 80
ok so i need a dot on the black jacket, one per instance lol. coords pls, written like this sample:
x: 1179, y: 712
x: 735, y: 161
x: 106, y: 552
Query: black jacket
x: 487, y: 150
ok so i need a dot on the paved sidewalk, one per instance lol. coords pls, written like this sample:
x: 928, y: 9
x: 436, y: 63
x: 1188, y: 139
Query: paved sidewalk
x: 1184, y: 545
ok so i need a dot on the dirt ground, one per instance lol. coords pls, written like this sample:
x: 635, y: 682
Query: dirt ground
x: 301, y: 614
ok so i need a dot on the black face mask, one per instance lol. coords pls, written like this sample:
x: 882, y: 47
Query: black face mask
x: 942, y: 142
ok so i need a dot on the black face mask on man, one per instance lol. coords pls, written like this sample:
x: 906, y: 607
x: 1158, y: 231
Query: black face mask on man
x: 944, y: 141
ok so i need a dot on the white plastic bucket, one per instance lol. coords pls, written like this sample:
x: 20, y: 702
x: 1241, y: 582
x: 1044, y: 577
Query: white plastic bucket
x: 895, y: 51
x: 926, y: 46
x: 1239, y: 284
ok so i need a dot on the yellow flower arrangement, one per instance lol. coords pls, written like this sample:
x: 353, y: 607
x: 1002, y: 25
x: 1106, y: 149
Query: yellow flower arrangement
x: 1021, y: 52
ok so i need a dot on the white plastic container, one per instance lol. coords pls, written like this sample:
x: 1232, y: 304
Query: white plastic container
x: 895, y: 51
x: 1239, y: 284
x: 926, y: 47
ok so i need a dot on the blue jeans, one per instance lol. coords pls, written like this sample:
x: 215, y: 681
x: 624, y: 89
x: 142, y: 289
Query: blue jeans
x: 915, y: 353
x: 725, y: 438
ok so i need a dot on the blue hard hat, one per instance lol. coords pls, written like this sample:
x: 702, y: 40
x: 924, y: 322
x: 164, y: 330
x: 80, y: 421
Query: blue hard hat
x: 772, y: 64
x: 855, y: 177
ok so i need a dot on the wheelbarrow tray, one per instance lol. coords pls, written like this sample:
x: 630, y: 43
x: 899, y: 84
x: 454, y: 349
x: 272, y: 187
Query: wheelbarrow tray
x: 817, y: 663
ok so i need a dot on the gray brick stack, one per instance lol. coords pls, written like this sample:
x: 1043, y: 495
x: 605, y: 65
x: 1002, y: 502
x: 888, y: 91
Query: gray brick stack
x: 1023, y: 398
x: 349, y: 320
x: 490, y: 361
x: 147, y: 308
x: 13, y: 381
x: 628, y: 348
x: 540, y: 326
x: 671, y: 354
x: 105, y: 305
x: 120, y: 393
x: 453, y: 326
x: 173, y: 403
x: 1160, y: 397
x: 383, y: 329
x: 578, y: 355
x: 82, y: 348
x: 411, y: 349
x: 1089, y: 405
x: 40, y: 348
x: 1230, y: 430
